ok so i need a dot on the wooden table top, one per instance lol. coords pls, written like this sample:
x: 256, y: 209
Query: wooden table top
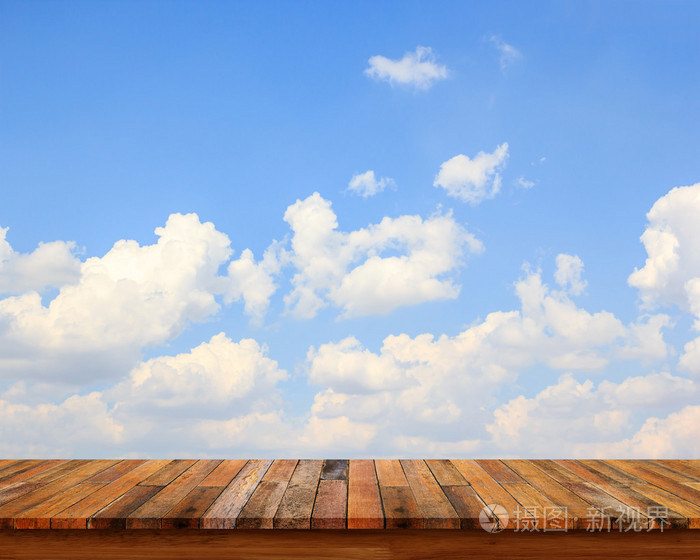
x: 492, y: 495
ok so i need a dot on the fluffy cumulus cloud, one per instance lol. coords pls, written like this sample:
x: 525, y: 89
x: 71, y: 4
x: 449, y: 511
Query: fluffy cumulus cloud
x: 508, y: 54
x: 399, y: 261
x: 366, y: 184
x: 418, y: 69
x: 52, y: 264
x: 568, y: 273
x: 473, y: 180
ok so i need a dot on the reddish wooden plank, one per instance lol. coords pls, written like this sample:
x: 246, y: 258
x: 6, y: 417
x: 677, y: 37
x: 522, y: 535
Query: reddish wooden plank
x: 499, y: 471
x: 168, y: 472
x: 297, y: 504
x: 446, y: 473
x: 400, y: 508
x: 149, y: 515
x: 435, y: 508
x: 224, y: 511
x: 77, y: 515
x: 364, y: 501
x: 467, y: 503
x: 115, y: 514
x: 186, y: 514
x: 390, y: 473
x: 17, y: 467
x: 488, y: 490
x: 222, y: 475
x: 39, y: 516
x: 25, y: 474
x: 259, y: 512
x: 114, y: 472
x: 629, y: 498
x: 331, y: 504
x: 11, y: 509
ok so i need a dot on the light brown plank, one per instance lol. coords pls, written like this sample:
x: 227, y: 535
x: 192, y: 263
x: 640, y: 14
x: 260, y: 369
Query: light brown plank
x: 445, y: 472
x: 168, y: 472
x: 435, y: 508
x: 77, y: 515
x: 466, y: 503
x: 149, y: 515
x: 390, y: 472
x: 499, y: 472
x: 682, y: 465
x: 114, y: 472
x: 39, y: 516
x: 670, y: 471
x: 685, y: 508
x: 662, y: 481
x: 222, y: 475
x: 364, y: 501
x: 25, y: 474
x: 224, y: 511
x: 259, y: 512
x: 115, y: 514
x: 296, y: 507
x: 331, y: 504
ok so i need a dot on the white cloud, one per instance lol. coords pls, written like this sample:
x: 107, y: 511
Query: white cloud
x: 568, y: 273
x: 417, y: 69
x: 524, y: 183
x: 366, y: 184
x: 51, y: 264
x: 253, y: 282
x: 508, y: 53
x: 349, y: 270
x: 473, y: 180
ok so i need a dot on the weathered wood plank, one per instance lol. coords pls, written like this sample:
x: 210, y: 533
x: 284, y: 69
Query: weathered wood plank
x: 77, y: 515
x: 222, y: 475
x: 622, y: 477
x: 149, y: 515
x: 364, y: 501
x: 434, y: 506
x: 630, y: 498
x: 334, y: 469
x: 39, y: 516
x: 331, y: 504
x: 10, y: 510
x: 660, y: 480
x: 390, y: 473
x: 400, y: 508
x: 17, y: 467
x: 187, y: 513
x: 682, y: 465
x: 168, y: 472
x: 281, y: 470
x: 488, y: 489
x: 115, y: 514
x: 25, y: 474
x: 670, y: 471
x: 688, y: 509
x: 467, y: 503
x: 499, y: 471
x: 297, y: 504
x: 224, y: 511
x: 259, y: 512
x: 445, y: 472
x: 114, y: 472
x: 530, y: 514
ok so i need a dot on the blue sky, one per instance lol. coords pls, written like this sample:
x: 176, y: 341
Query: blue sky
x: 358, y: 229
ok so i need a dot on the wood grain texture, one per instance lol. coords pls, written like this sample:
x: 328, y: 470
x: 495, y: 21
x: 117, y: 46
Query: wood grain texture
x: 435, y: 507
x: 114, y: 515
x: 330, y: 506
x: 364, y: 500
x: 259, y: 512
x: 224, y: 511
x: 445, y: 472
x: 187, y: 513
x: 297, y: 504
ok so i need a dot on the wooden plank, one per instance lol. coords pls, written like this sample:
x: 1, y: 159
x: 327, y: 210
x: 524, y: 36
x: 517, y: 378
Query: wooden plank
x: 114, y: 515
x: 11, y: 509
x: 149, y: 515
x: 622, y: 477
x: 58, y: 471
x: 435, y: 508
x: 331, y: 504
x: 681, y: 465
x: 499, y: 471
x: 364, y: 500
x: 186, y: 514
x: 37, y: 479
x: 662, y: 481
x: 685, y: 508
x: 39, y: 516
x: 24, y: 474
x: 334, y: 469
x: 390, y: 472
x: 670, y: 471
x: 445, y: 472
x: 17, y: 467
x: 297, y: 504
x: 577, y: 509
x: 77, y: 515
x: 224, y: 511
x: 488, y: 490
x: 466, y: 503
x: 114, y: 472
x: 400, y: 508
x: 530, y: 514
x: 259, y: 512
x: 168, y: 472
x: 222, y: 475
x: 629, y: 497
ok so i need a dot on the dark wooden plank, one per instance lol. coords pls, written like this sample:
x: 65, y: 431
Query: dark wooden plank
x: 149, y: 515
x: 499, y: 471
x: 364, y: 500
x: 331, y: 504
x: 224, y: 511
x: 114, y: 515
x: 400, y: 508
x: 259, y: 512
x: 435, y: 508
x: 488, y: 490
x: 222, y: 475
x: 114, y: 472
x: 631, y: 499
x: 77, y: 515
x: 334, y: 469
x: 466, y: 503
x: 445, y: 472
x: 45, y: 492
x: 297, y: 504
x: 186, y: 514
x: 168, y: 472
